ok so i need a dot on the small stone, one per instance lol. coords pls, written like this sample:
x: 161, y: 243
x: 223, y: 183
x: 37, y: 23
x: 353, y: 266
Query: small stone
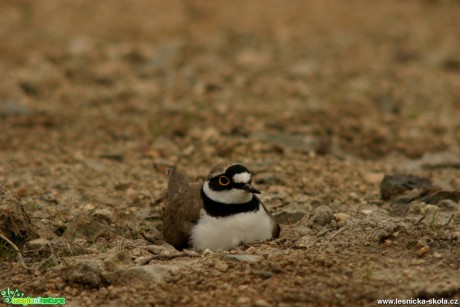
x: 133, y: 195
x: 262, y: 303
x: 50, y: 262
x: 353, y: 196
x: 393, y: 185
x: 388, y: 242
x: 291, y: 213
x: 251, y: 250
x: 448, y: 205
x: 373, y: 178
x: 85, y: 273
x: 37, y: 243
x: 431, y: 209
x: 104, y: 214
x: 416, y: 207
x: 437, y: 196
x: 221, y: 266
x: 341, y: 217
x: 268, y: 178
x: 422, y: 251
x: 243, y: 300
x: 246, y: 258
x: 306, y: 241
x: 367, y: 211
x: 320, y: 216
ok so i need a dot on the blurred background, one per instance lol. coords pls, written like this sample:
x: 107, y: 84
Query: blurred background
x: 357, y: 77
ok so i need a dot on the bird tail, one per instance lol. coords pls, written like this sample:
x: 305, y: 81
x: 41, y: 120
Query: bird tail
x: 177, y: 182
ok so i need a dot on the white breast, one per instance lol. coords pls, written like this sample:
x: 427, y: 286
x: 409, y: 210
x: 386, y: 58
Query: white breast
x: 228, y: 232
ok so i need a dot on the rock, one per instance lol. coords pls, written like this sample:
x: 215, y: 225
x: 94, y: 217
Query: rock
x: 146, y: 273
x: 133, y: 195
x: 50, y: 262
x: 290, y: 214
x: 399, y: 208
x: 115, y: 259
x: 85, y: 273
x: 12, y: 107
x: 301, y: 143
x: 431, y: 209
x: 261, y: 303
x: 320, y: 216
x: 104, y: 214
x: 436, y: 196
x: 243, y: 301
x: 341, y: 217
x: 416, y: 207
x: 440, y: 160
x: 373, y: 178
x: 448, y: 205
x: 307, y: 241
x: 422, y: 251
x: 245, y: 258
x: 393, y: 185
x: 221, y: 265
x: 268, y: 178
x: 15, y: 222
x: 166, y: 147
x: 37, y: 243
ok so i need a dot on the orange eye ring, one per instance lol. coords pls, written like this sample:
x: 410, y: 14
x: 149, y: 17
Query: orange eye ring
x: 224, y: 181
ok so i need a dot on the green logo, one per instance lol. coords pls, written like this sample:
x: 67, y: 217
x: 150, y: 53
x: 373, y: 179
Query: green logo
x: 16, y: 297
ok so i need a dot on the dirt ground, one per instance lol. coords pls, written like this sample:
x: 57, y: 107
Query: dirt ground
x: 320, y: 99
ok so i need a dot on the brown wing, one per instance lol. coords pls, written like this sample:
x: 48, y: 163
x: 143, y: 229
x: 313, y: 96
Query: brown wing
x: 276, y: 229
x: 182, y: 211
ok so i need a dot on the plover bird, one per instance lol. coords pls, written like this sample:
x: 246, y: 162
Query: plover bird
x: 220, y: 213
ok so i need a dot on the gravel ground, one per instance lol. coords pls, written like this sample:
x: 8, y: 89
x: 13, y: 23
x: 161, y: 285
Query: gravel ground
x: 320, y: 99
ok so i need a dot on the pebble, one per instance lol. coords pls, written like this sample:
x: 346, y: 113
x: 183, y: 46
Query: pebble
x: 246, y: 258
x: 105, y: 214
x: 431, y: 209
x: 422, y: 251
x: 447, y: 205
x: 320, y: 216
x: 398, y: 184
x: 388, y: 242
x: 243, y: 300
x: 341, y: 217
x: 133, y: 195
x: 221, y: 266
x: 37, y: 243
x: 373, y: 178
x: 291, y: 213
x: 268, y: 178
x: 262, y: 303
x: 50, y: 262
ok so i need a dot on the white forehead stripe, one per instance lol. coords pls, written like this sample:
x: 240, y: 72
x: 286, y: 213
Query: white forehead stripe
x: 242, y: 177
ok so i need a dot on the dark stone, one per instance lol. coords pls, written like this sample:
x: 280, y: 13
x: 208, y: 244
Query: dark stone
x: 394, y: 185
x: 436, y: 197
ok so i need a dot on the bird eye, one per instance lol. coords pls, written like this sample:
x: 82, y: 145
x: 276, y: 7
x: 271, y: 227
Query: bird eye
x: 223, y: 181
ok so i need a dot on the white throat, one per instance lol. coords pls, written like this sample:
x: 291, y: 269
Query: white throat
x: 232, y: 196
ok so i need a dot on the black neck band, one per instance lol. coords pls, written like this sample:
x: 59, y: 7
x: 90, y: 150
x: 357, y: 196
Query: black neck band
x: 216, y: 209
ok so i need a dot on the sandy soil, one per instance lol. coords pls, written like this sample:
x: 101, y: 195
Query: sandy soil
x: 320, y: 99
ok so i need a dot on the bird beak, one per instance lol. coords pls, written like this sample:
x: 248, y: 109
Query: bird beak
x: 250, y: 188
